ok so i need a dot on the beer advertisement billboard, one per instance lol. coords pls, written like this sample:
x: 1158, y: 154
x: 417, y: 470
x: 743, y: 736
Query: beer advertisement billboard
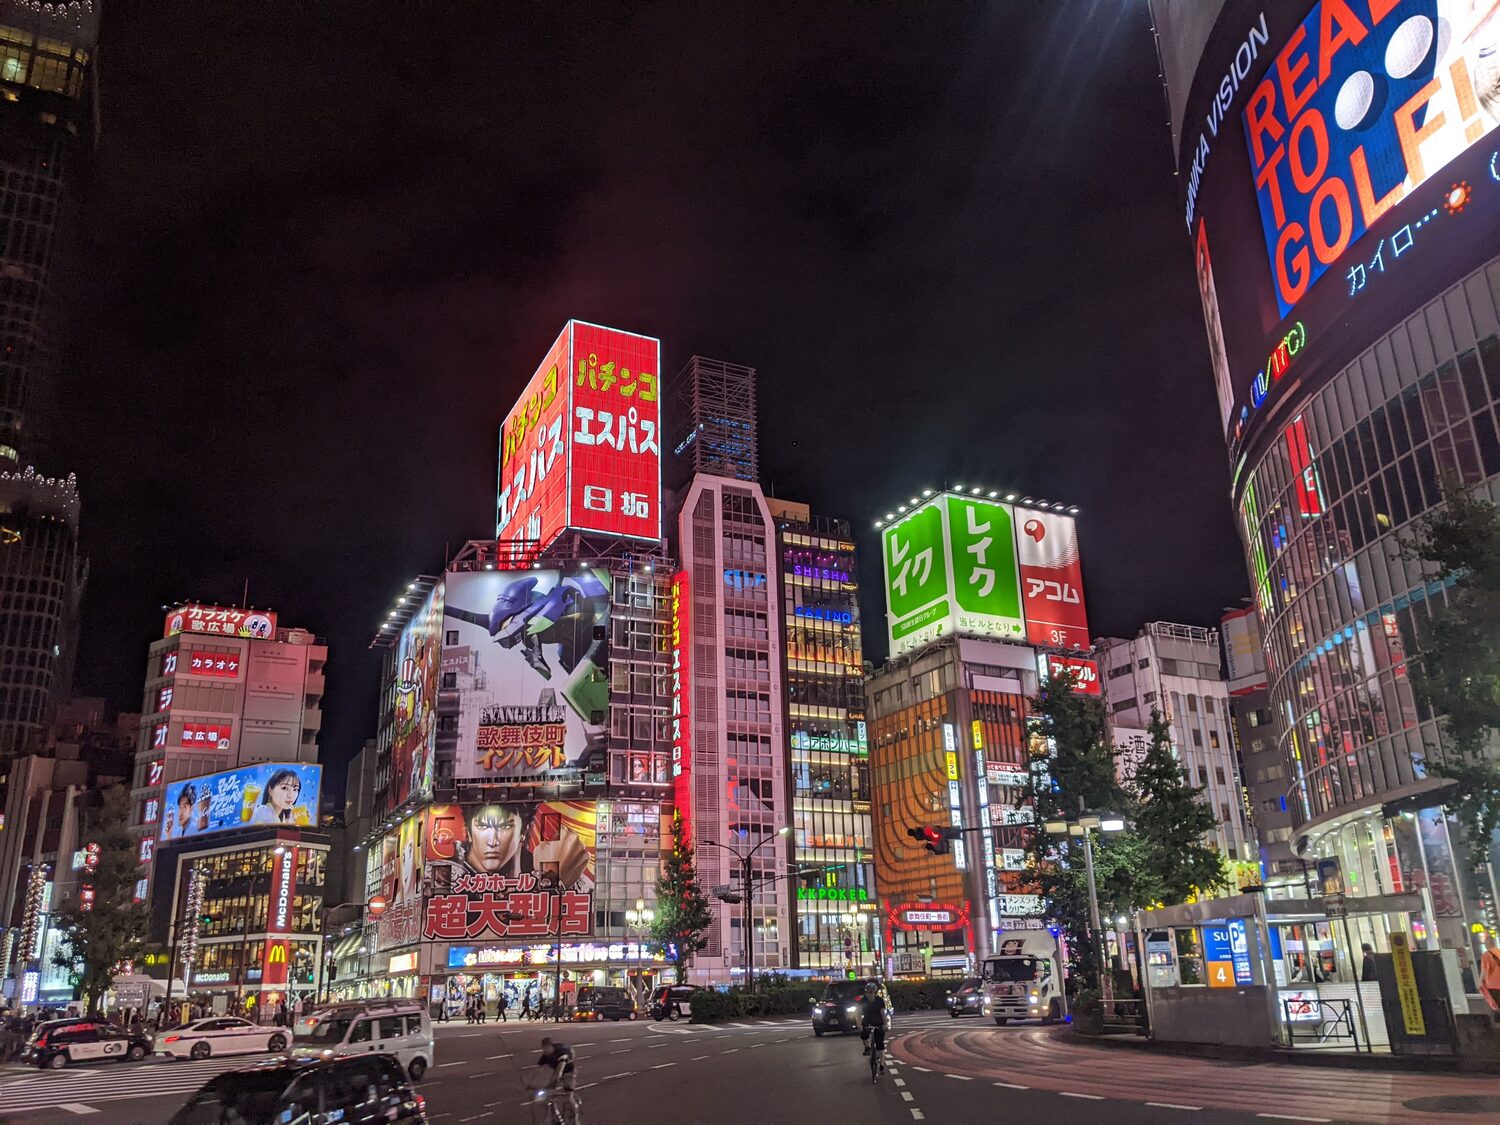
x: 269, y: 793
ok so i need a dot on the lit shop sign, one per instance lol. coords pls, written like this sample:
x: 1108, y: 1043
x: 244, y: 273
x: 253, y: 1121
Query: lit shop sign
x: 955, y: 810
x: 744, y: 580
x: 817, y: 613
x: 833, y: 743
x: 86, y: 859
x: 225, y: 665
x: 281, y: 891
x: 928, y: 916
x: 1026, y: 906
x: 470, y: 957
x: 220, y: 621
x: 1001, y: 774
x: 403, y: 963
x: 1012, y: 859
x: 987, y: 842
x: 823, y: 572
x: 833, y: 894
x: 217, y: 977
x: 1085, y: 673
x: 682, y: 686
x: 1009, y: 816
x: 147, y: 849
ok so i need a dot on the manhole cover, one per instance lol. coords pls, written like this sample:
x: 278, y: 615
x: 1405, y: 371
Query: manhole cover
x: 1456, y: 1103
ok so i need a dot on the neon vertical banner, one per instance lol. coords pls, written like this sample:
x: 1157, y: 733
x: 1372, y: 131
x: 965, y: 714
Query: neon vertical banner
x: 682, y: 687
x: 279, y: 916
x: 955, y: 806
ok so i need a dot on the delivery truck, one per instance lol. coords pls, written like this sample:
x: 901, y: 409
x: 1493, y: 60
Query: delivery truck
x: 1023, y: 978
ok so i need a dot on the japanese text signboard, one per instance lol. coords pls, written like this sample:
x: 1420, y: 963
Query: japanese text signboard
x: 215, y: 620
x: 509, y: 870
x: 981, y: 568
x: 534, y: 703
x: 582, y: 446
x: 682, y: 693
x: 1338, y: 166
x: 1085, y: 673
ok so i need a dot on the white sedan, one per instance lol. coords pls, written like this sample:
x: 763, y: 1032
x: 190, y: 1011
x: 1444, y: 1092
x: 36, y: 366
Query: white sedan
x: 221, y: 1035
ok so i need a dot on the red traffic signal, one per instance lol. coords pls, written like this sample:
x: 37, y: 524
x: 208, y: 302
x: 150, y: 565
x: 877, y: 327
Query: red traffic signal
x: 935, y: 838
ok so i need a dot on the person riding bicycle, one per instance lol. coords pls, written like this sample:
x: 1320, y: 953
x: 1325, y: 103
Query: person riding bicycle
x: 559, y: 1058
x: 872, y: 1021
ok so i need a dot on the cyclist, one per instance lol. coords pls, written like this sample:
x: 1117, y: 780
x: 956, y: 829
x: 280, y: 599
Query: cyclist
x: 872, y: 1021
x: 559, y: 1058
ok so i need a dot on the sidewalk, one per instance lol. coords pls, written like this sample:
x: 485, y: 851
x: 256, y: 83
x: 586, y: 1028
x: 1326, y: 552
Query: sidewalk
x: 1425, y: 1064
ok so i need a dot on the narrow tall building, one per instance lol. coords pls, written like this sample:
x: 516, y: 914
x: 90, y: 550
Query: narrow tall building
x: 834, y: 907
x: 46, y: 122
x: 1174, y: 669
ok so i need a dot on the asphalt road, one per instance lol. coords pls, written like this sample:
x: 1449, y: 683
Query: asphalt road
x: 772, y: 1071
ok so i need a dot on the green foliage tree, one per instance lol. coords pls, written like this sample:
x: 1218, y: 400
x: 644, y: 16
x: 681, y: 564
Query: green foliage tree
x: 98, y: 939
x: 1458, y: 674
x: 683, y: 917
x: 1079, y: 775
x: 1171, y: 821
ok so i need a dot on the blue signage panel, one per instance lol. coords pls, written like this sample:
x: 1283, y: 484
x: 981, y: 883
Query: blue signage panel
x: 1239, y: 949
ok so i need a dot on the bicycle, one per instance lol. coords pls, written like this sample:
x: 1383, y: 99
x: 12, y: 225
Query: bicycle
x: 558, y: 1106
x: 877, y: 1060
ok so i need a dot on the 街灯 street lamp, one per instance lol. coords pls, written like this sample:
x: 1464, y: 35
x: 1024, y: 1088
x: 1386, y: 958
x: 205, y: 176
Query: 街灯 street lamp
x: 639, y: 919
x: 747, y: 890
x: 1084, y: 825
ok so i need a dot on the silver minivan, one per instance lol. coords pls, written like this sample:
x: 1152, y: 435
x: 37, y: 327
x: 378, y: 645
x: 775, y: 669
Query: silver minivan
x: 400, y: 1028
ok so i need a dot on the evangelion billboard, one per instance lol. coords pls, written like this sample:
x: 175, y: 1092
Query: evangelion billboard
x: 1339, y: 167
x: 582, y: 446
x: 509, y: 869
x: 417, y: 660
x: 534, y: 691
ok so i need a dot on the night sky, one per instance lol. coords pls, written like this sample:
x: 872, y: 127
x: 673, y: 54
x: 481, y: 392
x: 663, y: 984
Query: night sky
x: 326, y: 245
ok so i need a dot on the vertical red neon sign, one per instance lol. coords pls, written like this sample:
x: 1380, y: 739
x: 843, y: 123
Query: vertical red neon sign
x: 682, y: 687
x: 279, y: 916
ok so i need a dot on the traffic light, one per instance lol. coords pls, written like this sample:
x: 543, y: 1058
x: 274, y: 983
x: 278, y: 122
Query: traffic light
x: 935, y: 838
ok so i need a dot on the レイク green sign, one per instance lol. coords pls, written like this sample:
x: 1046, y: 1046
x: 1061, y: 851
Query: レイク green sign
x: 986, y: 580
x: 917, y: 579
x: 950, y: 566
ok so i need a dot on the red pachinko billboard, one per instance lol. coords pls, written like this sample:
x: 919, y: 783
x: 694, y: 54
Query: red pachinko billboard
x: 582, y: 447
x: 1086, y: 672
x: 1051, y: 579
x: 216, y: 620
x: 1338, y: 164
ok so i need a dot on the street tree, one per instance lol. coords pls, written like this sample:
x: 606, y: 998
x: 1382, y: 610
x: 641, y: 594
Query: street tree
x: 95, y: 941
x: 680, y: 927
x: 1458, y: 673
x: 1171, y: 820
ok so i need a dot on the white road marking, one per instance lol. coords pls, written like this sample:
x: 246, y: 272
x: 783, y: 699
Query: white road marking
x: 906, y: 1096
x: 621, y: 1051
x: 492, y: 1058
x: 730, y: 1051
x: 622, y: 1074
x: 697, y: 1058
x: 923, y: 1069
x: 1090, y: 1097
x: 1173, y: 1105
x: 755, y: 1045
x: 899, y: 1081
x: 460, y: 1063
x: 663, y: 1066
x: 1012, y: 1086
x: 626, y: 1039
x: 960, y: 1077
x: 917, y: 1114
x: 78, y: 1107
x: 1291, y: 1117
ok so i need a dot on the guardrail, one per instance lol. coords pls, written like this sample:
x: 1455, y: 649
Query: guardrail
x: 1326, y: 1020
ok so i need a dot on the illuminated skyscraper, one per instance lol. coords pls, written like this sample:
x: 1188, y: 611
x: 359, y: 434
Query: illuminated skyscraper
x: 46, y: 116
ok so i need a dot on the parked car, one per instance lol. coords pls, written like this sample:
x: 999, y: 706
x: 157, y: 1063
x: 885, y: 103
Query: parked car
x: 221, y: 1035
x: 967, y: 999
x: 354, y: 1091
x: 841, y: 1006
x: 672, y: 1002
x: 391, y: 1027
x: 57, y: 1043
x: 598, y: 1003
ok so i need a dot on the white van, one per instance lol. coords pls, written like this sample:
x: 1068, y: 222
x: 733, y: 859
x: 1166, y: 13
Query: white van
x: 380, y: 1027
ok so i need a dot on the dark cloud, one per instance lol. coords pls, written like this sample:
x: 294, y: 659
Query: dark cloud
x: 328, y: 243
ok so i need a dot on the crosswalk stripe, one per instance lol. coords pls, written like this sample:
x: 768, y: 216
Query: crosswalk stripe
x: 78, y: 1107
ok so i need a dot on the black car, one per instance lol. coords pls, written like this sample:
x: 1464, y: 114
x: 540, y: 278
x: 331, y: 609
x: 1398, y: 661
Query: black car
x: 672, y: 1002
x: 596, y: 1003
x: 841, y: 1007
x: 356, y: 1091
x: 57, y: 1043
x: 967, y: 999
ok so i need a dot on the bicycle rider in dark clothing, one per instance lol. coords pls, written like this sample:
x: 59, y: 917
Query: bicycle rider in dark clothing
x: 872, y: 1022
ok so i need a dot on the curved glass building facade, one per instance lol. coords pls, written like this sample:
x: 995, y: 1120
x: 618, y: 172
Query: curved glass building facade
x: 1340, y: 175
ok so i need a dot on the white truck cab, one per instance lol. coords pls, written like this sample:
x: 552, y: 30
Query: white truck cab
x: 1023, y: 979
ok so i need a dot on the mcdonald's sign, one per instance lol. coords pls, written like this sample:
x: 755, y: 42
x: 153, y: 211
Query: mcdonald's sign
x: 273, y: 968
